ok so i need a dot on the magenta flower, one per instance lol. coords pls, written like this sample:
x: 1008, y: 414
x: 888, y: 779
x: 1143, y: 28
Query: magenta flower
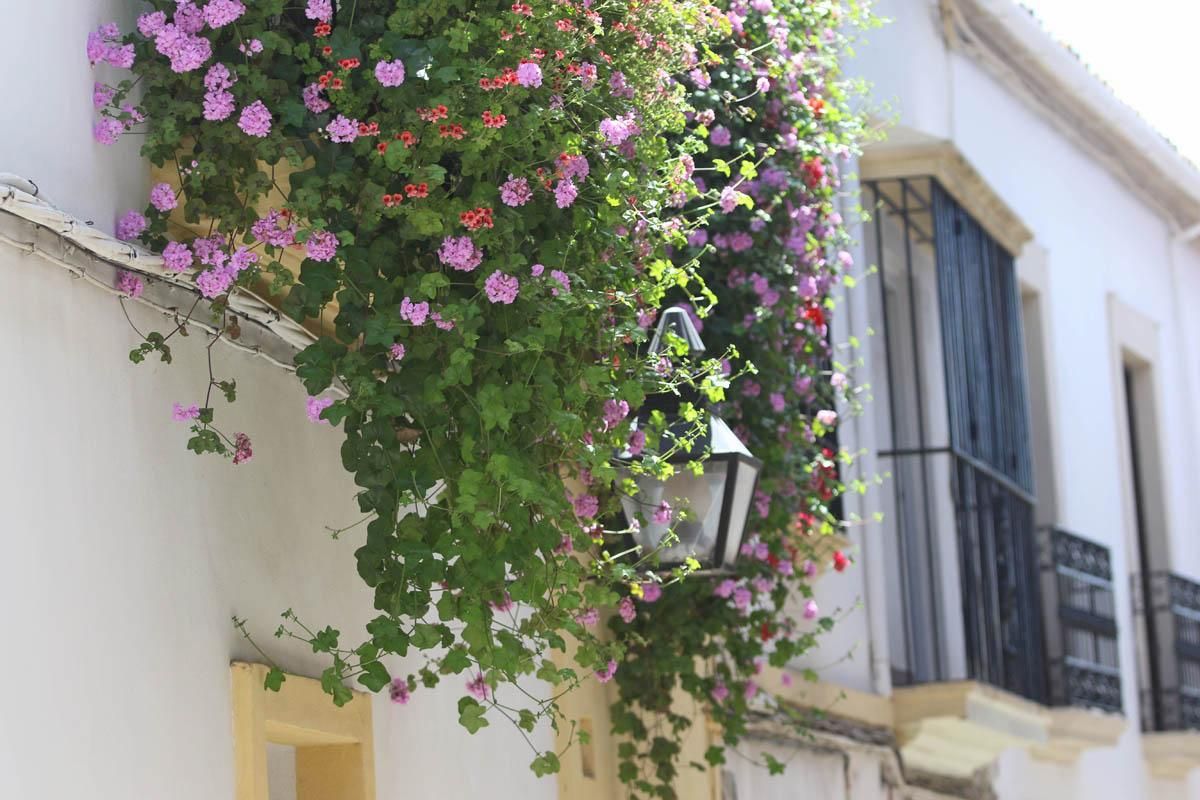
x: 637, y: 442
x: 103, y: 44
x: 605, y: 675
x: 102, y: 95
x: 342, y: 129
x: 162, y: 197
x: 786, y: 678
x: 614, y: 412
x: 811, y: 609
x: 150, y: 23
x: 251, y: 48
x: 529, y: 75
x: 515, y: 192
x: 729, y: 199
x: 810, y: 569
x: 478, y: 688
x: 562, y: 280
x: 107, y: 130
x: 586, y: 506
x: 741, y: 598
x: 651, y: 592
x: 587, y: 74
x: 720, y: 136
x: 313, y: 100
x: 720, y: 692
x: 504, y: 606
x: 274, y: 229
x: 416, y: 313
x: 242, y: 451
x: 186, y: 50
x: 627, y: 610
x: 588, y: 616
x: 460, y: 252
x: 777, y: 402
x: 400, y: 691
x: 725, y: 588
x: 218, y: 105
x: 390, y: 73
x: 219, y: 13
x: 663, y: 514
x: 129, y: 284
x: 321, y: 246
x: 130, y: 226
x: 314, y: 407
x: 181, y: 413
x: 320, y: 10
x: 442, y: 324
x: 218, y: 77
x: 751, y: 690
x: 565, y: 193
x: 176, y: 257
x: 617, y: 130
x: 536, y: 270
x: 255, y: 120
x: 396, y: 352
x: 501, y: 288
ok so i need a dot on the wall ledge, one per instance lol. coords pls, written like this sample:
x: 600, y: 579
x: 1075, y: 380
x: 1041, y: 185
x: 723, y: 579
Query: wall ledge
x: 1171, y: 754
x: 1074, y: 730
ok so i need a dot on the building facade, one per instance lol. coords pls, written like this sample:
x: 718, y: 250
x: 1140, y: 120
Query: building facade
x: 1023, y: 616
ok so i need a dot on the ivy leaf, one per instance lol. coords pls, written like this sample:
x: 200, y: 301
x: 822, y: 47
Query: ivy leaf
x: 274, y: 680
x: 374, y: 676
x: 471, y: 714
x: 774, y: 765
x: 545, y: 764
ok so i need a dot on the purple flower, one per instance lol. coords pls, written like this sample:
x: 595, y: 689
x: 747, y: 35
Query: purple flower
x: 614, y: 412
x: 504, y: 606
x: 218, y: 105
x: 103, y: 44
x: 396, y: 352
x: 188, y: 17
x: 587, y: 74
x: 321, y: 246
x: 176, y: 257
x: 700, y: 78
x: 588, y: 616
x: 501, y: 288
x: 342, y: 129
x: 107, y: 130
x: 811, y: 609
x: 268, y: 230
x: 720, y: 692
x: 605, y: 675
x: 130, y: 284
x: 214, y: 282
x: 477, y: 688
x: 186, y: 51
x: 400, y: 691
x: 810, y: 569
x: 162, y: 197
x: 729, y: 199
x: 720, y: 136
x: 315, y: 405
x: 320, y: 10
x: 777, y: 402
x: 741, y: 598
x: 725, y: 588
x: 651, y: 591
x: 313, y: 100
x: 255, y: 120
x: 637, y: 442
x: 130, y: 226
x: 390, y: 73
x: 575, y: 167
x: 627, y: 610
x: 617, y: 130
x: 565, y: 193
x: 663, y: 514
x: 151, y: 23
x: 460, y: 252
x: 242, y: 451
x: 750, y: 690
x: 102, y: 95
x: 181, y: 413
x: 786, y: 678
x: 536, y: 270
x: 561, y: 278
x: 515, y: 192
x: 219, y: 13
x: 251, y: 48
x: 442, y: 324
x: 586, y: 506
x: 415, y: 313
x: 529, y: 75
x: 218, y: 77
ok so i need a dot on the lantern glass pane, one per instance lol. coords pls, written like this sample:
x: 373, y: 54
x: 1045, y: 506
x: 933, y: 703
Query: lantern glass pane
x: 746, y: 476
x: 702, y: 495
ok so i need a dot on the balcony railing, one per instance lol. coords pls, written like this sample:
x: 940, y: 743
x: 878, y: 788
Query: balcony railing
x: 1171, y: 701
x: 1082, y: 665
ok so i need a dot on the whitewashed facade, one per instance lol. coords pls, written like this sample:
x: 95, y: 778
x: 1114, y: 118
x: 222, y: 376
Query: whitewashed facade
x: 125, y: 557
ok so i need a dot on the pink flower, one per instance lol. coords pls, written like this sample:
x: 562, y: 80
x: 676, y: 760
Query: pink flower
x: 177, y: 42
x: 478, y: 688
x: 565, y: 193
x: 562, y: 280
x: 720, y: 136
x: 107, y: 130
x: 219, y: 13
x: 529, y: 75
x: 627, y: 610
x: 587, y: 75
x: 586, y: 506
x: 725, y: 588
x: 103, y: 44
x: 617, y: 130
x: 777, y: 402
x: 786, y: 678
x: 605, y: 675
x: 218, y: 105
x: 396, y: 352
x: 515, y: 192
x: 614, y: 412
x: 321, y: 246
x: 400, y: 691
x: 810, y: 569
x: 162, y: 197
x: 827, y: 418
x: 251, y: 48
x: 176, y: 257
x: 181, y: 413
x: 536, y: 270
x: 720, y: 692
x: 729, y: 199
x: 390, y: 73
x: 651, y: 591
x: 313, y: 100
x: 750, y: 690
x: 415, y: 313
x: 504, y: 606
x: 741, y: 598
x: 811, y: 609
x: 102, y: 95
x: 214, y: 282
x: 501, y: 288
x: 637, y: 442
x: 242, y: 451
x: 588, y: 616
x: 131, y: 226
x: 342, y: 129
x: 315, y: 405
x: 460, y: 252
x: 663, y: 514
x: 151, y: 23
x: 275, y: 229
x: 255, y: 120
x: 130, y: 284
x: 442, y: 324
x: 320, y: 10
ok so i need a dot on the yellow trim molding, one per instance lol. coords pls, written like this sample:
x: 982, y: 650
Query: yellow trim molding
x: 335, y: 748
x: 941, y: 160
x: 1073, y: 730
x: 1171, y: 755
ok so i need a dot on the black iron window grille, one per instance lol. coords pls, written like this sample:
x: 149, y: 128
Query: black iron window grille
x: 1172, y: 700
x: 1083, y: 667
x: 959, y: 443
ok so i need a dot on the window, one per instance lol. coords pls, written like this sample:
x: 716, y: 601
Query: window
x: 329, y: 750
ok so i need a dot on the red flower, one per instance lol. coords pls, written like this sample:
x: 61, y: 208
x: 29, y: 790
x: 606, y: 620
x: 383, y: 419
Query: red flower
x: 766, y: 633
x: 814, y: 172
x: 817, y: 106
x: 476, y: 218
x: 323, y: 29
x: 840, y: 561
x: 382, y: 147
x: 491, y: 120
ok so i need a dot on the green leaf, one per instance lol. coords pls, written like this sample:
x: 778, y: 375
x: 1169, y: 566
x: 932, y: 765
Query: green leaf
x: 274, y: 680
x: 374, y: 676
x: 471, y: 714
x: 545, y: 764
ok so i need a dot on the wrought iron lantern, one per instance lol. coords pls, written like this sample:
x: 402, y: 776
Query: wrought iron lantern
x: 717, y: 499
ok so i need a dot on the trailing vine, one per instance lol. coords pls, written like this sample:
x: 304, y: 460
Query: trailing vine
x: 479, y: 208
